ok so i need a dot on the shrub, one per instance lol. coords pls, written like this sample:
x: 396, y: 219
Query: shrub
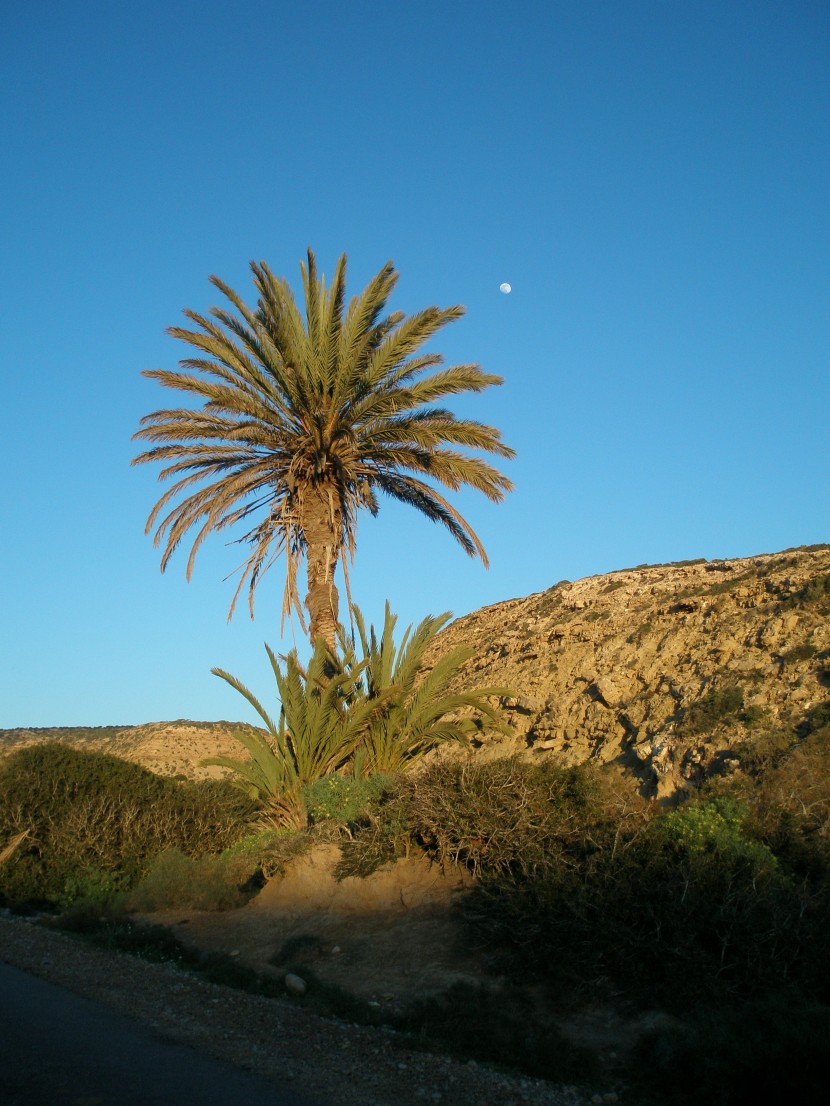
x: 578, y: 881
x: 792, y: 800
x: 345, y: 799
x: 382, y: 835
x: 716, y: 706
x: 174, y: 880
x: 500, y: 817
x: 815, y: 591
x: 215, y: 882
x: 95, y: 822
x: 504, y: 1025
x: 771, y: 1049
x: 713, y: 827
x: 689, y: 906
x: 817, y: 719
x: 504, y: 816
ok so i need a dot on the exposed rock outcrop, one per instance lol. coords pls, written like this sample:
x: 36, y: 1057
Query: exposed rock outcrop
x: 661, y: 669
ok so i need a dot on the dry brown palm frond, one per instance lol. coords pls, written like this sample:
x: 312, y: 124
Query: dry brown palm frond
x: 11, y: 846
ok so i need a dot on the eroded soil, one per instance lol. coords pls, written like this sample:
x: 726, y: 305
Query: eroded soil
x: 389, y: 938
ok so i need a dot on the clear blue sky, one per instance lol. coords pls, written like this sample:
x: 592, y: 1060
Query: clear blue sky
x: 653, y: 178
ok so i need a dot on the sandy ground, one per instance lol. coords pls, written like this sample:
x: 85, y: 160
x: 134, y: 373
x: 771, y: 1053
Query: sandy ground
x: 389, y: 938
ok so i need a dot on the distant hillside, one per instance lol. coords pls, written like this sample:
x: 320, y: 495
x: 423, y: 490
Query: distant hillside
x: 662, y: 669
x: 169, y: 748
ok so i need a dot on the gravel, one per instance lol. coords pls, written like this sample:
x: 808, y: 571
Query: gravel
x: 327, y: 1061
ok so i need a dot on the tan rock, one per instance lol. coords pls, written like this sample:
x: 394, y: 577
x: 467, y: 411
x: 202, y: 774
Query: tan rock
x: 628, y: 654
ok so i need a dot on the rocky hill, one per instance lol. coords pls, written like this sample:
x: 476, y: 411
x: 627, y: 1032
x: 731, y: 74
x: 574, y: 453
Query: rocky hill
x: 661, y: 669
x: 168, y: 748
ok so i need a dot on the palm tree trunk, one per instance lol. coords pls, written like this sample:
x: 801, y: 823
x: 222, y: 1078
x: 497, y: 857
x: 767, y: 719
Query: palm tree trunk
x: 321, y: 527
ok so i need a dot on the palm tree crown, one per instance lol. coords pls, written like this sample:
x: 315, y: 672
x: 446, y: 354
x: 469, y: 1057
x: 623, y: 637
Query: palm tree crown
x: 304, y: 421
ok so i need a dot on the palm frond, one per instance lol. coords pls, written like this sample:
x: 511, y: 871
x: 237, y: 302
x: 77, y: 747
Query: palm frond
x: 419, y: 712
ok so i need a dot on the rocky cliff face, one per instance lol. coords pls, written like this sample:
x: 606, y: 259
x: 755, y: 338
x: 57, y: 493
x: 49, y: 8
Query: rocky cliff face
x: 662, y: 669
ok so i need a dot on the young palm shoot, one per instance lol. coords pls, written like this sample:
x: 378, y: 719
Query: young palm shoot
x: 418, y: 712
x: 322, y: 721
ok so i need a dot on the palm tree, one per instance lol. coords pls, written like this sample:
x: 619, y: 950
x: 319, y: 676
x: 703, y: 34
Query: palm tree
x: 304, y: 421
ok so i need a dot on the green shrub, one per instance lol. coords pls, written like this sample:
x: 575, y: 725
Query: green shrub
x: 714, y: 827
x: 215, y: 882
x: 717, y: 706
x: 345, y: 799
x: 268, y: 851
x: 95, y: 822
x: 815, y: 591
x: 174, y: 880
x: 637, y: 636
x: 382, y: 835
x: 90, y: 887
x: 762, y: 751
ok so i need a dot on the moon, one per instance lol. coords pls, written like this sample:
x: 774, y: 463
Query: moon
x: 505, y: 288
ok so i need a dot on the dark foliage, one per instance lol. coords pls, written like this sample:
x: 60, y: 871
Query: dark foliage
x: 719, y: 704
x: 499, y: 1025
x: 94, y: 823
x: 772, y: 1050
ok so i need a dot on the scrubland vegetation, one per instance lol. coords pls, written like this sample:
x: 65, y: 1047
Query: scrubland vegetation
x: 713, y: 912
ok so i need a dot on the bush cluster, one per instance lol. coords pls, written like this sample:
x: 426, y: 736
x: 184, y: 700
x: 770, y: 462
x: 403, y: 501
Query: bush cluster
x: 345, y: 799
x: 692, y: 905
x: 716, y: 911
x: 95, y: 823
x: 502, y: 818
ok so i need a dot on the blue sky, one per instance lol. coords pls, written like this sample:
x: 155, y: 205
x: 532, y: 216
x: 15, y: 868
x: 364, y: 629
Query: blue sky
x: 652, y: 178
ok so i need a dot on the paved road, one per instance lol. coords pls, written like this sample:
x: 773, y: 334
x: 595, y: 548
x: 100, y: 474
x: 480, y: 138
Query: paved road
x: 59, y: 1049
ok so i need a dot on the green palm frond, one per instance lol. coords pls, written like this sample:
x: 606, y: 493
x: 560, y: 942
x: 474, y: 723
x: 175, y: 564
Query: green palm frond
x: 419, y: 712
x: 374, y: 707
